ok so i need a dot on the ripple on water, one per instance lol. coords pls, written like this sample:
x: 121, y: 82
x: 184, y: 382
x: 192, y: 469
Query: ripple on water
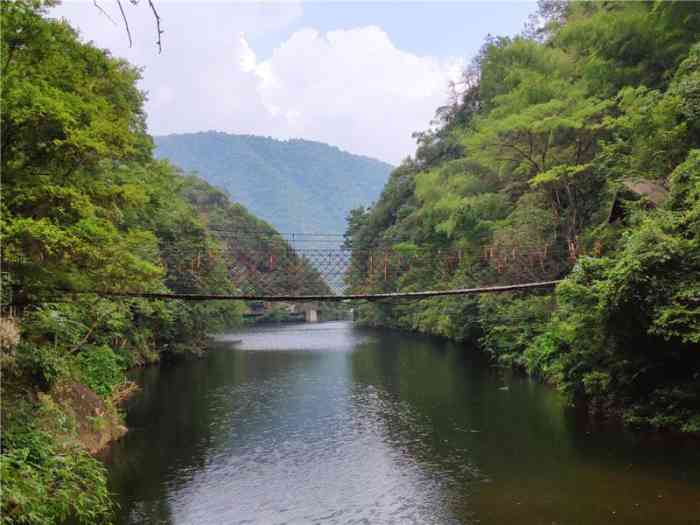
x: 329, y: 424
x: 357, y: 457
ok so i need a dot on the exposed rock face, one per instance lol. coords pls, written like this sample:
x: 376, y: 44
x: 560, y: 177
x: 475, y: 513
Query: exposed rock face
x: 652, y: 190
x: 96, y: 422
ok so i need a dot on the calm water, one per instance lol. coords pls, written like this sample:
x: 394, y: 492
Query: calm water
x: 332, y: 424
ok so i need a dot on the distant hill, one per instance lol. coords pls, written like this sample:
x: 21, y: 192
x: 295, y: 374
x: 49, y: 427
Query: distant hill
x: 295, y: 185
x: 248, y: 254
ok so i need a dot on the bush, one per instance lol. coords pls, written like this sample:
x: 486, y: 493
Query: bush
x: 100, y: 369
x: 511, y: 323
x: 43, y: 482
x: 42, y: 362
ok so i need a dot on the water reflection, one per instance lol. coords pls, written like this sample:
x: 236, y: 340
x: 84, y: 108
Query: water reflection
x: 330, y: 424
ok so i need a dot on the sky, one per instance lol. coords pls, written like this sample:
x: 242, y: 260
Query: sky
x: 362, y: 76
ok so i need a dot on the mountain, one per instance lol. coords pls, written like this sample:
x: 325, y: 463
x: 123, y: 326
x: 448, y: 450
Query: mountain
x: 296, y: 185
x: 249, y: 245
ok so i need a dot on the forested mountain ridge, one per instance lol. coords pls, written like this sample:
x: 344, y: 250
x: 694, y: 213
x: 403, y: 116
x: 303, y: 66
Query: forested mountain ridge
x: 296, y: 185
x: 571, y: 152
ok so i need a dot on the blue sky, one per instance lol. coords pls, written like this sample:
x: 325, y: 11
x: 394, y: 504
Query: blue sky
x: 362, y: 76
x: 432, y: 28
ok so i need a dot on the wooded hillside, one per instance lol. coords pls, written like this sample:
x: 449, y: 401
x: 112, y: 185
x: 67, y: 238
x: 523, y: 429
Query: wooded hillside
x: 295, y: 185
x: 571, y: 151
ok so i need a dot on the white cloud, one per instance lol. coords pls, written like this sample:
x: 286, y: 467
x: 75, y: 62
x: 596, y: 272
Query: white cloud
x: 352, y: 88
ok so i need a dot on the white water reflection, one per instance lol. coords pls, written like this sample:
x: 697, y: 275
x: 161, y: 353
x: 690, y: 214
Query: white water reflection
x: 315, y: 447
x: 335, y: 336
x: 331, y: 424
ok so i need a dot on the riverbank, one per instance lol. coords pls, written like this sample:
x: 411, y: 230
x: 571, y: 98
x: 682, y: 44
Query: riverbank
x: 563, y: 157
x: 61, y: 408
x: 683, y: 420
x: 88, y: 208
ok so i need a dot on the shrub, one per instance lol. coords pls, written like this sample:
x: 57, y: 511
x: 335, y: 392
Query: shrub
x: 100, y: 369
x: 43, y: 482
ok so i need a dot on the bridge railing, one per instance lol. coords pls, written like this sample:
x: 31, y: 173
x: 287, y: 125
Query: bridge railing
x: 321, y: 266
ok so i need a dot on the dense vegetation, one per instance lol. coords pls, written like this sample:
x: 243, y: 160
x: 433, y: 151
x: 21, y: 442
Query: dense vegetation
x: 296, y: 185
x: 86, y: 206
x: 571, y: 151
x: 259, y: 259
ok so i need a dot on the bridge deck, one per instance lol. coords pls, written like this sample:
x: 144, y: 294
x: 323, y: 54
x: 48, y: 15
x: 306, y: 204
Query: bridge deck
x: 326, y: 298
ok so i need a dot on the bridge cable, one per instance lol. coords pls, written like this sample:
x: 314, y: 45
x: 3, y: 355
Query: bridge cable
x: 320, y: 298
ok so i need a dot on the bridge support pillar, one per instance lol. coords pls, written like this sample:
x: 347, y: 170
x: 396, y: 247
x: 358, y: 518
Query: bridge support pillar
x: 311, y: 315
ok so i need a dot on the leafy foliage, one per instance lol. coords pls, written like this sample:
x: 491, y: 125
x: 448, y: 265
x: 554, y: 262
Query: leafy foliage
x: 594, y: 111
x: 43, y: 480
x: 86, y: 207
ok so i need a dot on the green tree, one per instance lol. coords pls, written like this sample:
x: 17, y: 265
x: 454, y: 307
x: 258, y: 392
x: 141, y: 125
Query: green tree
x: 571, y: 152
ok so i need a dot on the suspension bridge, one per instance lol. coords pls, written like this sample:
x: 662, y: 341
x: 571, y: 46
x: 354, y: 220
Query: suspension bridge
x: 303, y: 267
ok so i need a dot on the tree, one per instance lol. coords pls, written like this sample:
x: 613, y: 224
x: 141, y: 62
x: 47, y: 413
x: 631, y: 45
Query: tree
x: 520, y: 176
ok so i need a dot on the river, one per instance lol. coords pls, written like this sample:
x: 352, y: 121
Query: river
x: 329, y: 424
